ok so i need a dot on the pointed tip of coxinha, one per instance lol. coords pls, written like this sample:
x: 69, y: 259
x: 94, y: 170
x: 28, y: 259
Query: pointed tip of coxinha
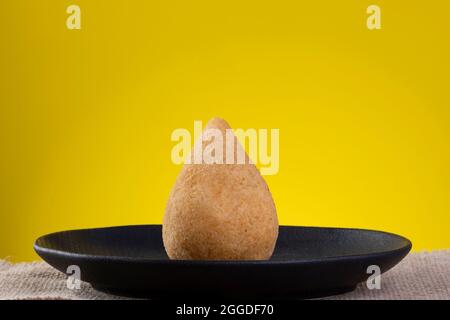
x: 217, y: 123
x: 220, y: 124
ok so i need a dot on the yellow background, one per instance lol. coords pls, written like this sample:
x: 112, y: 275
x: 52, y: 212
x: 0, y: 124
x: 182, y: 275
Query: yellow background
x: 86, y: 116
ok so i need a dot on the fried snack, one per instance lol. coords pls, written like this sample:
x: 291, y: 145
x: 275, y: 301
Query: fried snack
x: 220, y: 211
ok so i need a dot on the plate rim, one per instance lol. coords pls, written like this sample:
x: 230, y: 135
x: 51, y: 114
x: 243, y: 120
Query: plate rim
x: 48, y: 251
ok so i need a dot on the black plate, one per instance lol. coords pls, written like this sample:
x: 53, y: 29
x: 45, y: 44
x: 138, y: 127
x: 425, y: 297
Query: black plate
x: 307, y: 262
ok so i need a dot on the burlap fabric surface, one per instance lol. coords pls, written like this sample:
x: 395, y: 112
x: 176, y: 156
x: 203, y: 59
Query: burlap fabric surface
x: 424, y: 275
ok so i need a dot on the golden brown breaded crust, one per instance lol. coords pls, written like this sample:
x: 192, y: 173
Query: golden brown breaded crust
x: 220, y: 212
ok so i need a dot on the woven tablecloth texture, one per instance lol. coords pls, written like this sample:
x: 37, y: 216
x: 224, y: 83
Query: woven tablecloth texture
x: 424, y: 275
